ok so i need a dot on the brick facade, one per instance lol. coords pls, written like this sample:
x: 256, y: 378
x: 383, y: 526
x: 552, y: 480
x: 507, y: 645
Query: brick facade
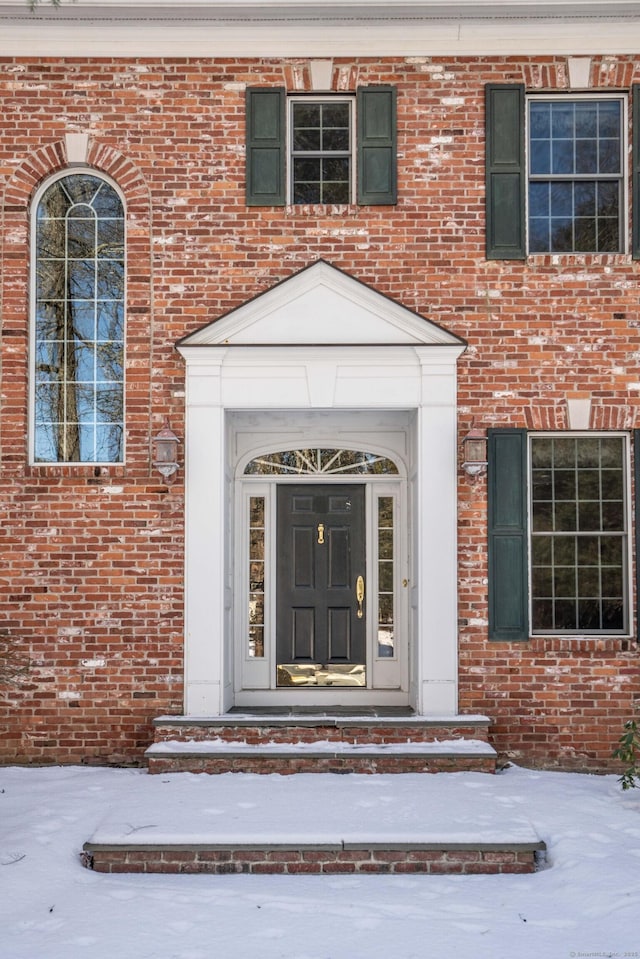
x: 91, y: 585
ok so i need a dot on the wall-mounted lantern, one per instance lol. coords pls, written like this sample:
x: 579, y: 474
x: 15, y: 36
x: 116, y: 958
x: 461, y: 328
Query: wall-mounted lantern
x: 165, y: 453
x: 474, y: 449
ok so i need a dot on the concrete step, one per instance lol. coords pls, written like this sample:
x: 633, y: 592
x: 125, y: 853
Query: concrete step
x: 318, y: 756
x: 308, y: 824
x: 267, y: 727
x: 344, y: 741
x: 294, y: 859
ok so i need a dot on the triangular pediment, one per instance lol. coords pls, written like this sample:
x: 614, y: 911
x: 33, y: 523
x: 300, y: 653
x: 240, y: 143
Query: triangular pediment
x: 321, y: 306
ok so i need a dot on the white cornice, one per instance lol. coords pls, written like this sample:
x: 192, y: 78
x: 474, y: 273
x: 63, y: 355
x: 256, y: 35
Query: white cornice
x: 140, y: 37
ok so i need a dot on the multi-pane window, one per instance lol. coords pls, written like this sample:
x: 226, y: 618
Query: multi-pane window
x: 78, y: 346
x: 386, y: 586
x: 321, y: 151
x: 331, y: 149
x: 576, y: 175
x: 578, y: 534
x: 256, y: 575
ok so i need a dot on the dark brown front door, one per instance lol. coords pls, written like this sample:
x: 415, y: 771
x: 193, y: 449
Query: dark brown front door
x: 320, y: 608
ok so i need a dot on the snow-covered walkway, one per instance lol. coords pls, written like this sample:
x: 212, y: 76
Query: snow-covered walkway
x: 586, y: 903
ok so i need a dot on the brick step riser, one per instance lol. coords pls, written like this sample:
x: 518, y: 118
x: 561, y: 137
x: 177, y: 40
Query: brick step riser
x: 373, y: 735
x: 298, y: 764
x: 296, y: 862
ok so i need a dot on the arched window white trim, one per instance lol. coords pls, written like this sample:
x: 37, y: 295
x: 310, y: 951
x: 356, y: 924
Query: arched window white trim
x: 77, y: 320
x: 321, y: 460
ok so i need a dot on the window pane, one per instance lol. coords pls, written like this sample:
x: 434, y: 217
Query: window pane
x: 540, y: 119
x: 539, y: 199
x: 562, y: 157
x: 306, y: 114
x: 540, y: 156
x: 586, y: 238
x: 335, y: 114
x: 539, y: 239
x: 586, y: 156
x: 306, y: 139
x: 561, y: 234
x: 561, y: 199
x: 335, y: 140
x: 335, y: 193
x: 562, y: 120
x: 564, y: 550
x: 542, y: 486
x: 586, y: 118
x: 542, y: 581
x: 610, y: 119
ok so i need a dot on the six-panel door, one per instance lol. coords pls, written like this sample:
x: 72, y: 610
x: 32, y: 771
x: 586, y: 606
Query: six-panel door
x: 321, y: 621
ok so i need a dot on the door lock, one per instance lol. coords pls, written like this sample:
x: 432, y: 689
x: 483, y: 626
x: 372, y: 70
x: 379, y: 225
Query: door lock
x: 321, y: 533
x: 360, y: 595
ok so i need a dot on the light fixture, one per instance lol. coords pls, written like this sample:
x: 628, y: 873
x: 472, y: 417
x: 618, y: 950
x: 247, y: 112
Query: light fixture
x: 165, y: 452
x: 474, y: 448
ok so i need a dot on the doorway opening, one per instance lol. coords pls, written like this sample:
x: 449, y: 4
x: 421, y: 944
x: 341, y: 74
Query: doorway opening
x: 322, y: 574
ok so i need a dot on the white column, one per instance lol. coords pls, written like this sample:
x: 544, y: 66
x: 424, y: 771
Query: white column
x: 204, y: 519
x: 436, y: 535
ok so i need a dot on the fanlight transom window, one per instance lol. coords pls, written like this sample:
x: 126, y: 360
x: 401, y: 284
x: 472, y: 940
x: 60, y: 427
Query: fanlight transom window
x: 319, y: 460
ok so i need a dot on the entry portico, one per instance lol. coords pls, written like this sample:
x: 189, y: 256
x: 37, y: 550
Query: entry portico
x: 321, y: 381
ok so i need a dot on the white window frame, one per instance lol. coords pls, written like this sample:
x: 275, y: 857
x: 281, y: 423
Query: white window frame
x: 624, y: 175
x: 31, y: 439
x: 319, y: 98
x: 627, y: 535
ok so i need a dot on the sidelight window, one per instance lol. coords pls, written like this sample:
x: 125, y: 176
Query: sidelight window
x: 256, y: 575
x: 386, y: 579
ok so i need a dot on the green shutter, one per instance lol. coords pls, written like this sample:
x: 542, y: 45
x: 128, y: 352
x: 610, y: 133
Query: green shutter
x: 635, y: 177
x: 266, y: 145
x: 505, y: 171
x: 377, y: 145
x: 508, y: 553
x: 636, y: 477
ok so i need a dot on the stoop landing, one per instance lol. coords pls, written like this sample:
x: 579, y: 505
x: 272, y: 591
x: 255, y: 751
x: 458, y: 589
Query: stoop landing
x: 340, y: 741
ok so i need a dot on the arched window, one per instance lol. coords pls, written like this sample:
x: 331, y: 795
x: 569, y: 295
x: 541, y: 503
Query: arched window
x: 78, y: 338
x: 319, y: 460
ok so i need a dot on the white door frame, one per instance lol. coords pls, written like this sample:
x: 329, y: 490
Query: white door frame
x: 321, y: 341
x: 254, y: 678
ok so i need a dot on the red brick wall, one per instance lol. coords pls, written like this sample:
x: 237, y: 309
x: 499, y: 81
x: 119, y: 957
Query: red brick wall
x: 91, y: 584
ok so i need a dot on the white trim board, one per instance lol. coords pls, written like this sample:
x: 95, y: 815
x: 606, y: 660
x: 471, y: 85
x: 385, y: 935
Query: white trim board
x: 283, y: 30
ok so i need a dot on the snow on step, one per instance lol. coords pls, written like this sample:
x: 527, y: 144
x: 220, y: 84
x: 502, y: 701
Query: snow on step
x: 218, y: 747
x: 242, y: 808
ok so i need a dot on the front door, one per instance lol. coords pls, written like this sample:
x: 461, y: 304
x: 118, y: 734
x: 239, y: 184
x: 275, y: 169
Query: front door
x: 320, y: 605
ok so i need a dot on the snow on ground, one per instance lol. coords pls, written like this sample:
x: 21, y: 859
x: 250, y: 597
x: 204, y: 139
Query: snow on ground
x: 586, y: 903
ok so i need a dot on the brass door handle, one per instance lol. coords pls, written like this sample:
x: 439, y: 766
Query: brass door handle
x: 321, y: 533
x: 360, y: 595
